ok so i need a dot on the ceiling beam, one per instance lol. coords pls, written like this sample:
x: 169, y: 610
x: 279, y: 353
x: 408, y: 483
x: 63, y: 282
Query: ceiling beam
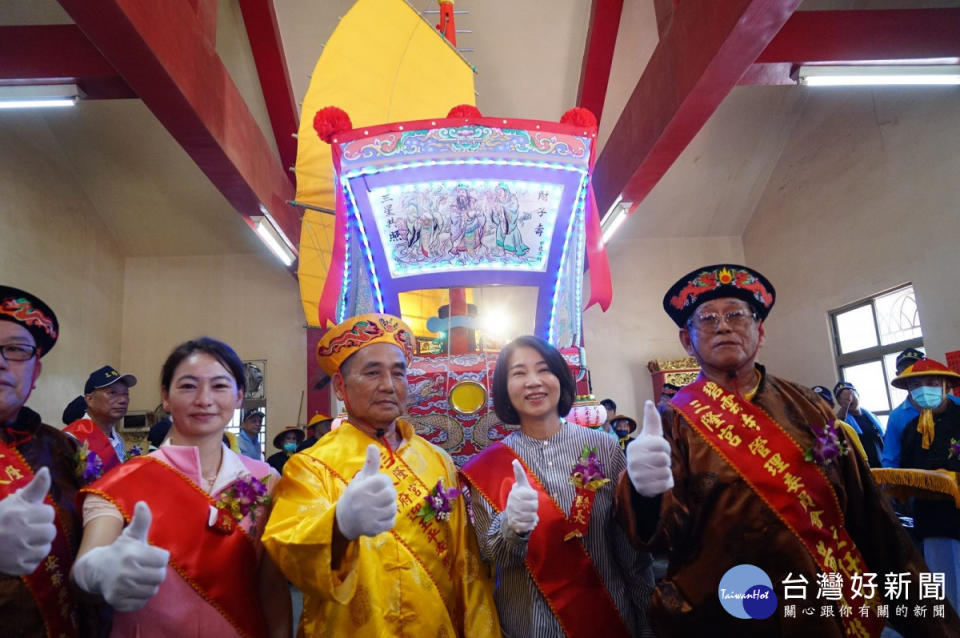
x: 851, y: 37
x: 855, y: 36
x: 160, y: 50
x: 57, y: 54
x: 260, y: 19
x: 698, y: 60
x: 598, y: 54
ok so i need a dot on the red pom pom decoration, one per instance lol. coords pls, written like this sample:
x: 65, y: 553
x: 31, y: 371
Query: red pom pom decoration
x: 330, y: 121
x: 465, y: 110
x: 579, y: 116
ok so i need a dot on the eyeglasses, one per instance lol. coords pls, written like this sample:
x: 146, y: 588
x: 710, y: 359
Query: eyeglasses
x: 17, y: 351
x: 710, y: 321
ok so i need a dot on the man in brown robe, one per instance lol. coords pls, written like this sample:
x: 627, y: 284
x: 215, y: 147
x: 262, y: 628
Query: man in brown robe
x: 39, y: 524
x: 710, y: 512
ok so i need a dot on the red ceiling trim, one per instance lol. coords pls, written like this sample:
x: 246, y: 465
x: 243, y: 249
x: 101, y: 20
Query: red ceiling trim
x: 853, y: 36
x: 707, y: 48
x: 263, y: 32
x: 598, y: 54
x: 159, y: 49
x: 58, y: 54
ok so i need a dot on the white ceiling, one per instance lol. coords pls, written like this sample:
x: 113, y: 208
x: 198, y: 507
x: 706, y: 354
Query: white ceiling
x: 156, y: 202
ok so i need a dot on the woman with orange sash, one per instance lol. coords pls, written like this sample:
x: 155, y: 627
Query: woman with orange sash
x: 543, y: 510
x: 172, y: 540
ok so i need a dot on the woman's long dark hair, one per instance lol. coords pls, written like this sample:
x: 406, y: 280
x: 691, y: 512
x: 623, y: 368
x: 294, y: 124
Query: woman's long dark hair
x: 554, y: 360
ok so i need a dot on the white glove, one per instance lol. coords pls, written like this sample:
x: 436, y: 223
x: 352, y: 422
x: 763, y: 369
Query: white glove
x: 522, y: 502
x: 648, y: 457
x: 129, y: 571
x: 26, y: 526
x: 369, y: 504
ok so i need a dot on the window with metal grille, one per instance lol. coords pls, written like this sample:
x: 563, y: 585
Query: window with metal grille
x: 868, y: 335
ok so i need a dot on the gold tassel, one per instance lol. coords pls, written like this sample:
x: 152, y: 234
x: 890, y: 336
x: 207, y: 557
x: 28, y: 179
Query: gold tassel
x: 904, y: 483
x: 925, y: 428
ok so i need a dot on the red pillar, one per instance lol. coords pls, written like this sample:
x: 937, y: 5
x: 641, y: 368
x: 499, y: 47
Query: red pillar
x: 459, y: 338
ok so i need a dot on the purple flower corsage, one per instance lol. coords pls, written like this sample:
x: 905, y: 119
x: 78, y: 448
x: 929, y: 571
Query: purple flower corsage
x: 437, y: 504
x: 89, y: 466
x: 827, y: 445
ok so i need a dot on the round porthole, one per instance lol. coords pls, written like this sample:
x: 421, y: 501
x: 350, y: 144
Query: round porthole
x: 467, y: 397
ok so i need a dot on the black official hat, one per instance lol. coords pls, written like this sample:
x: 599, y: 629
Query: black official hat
x: 252, y: 412
x: 107, y: 376
x: 30, y: 312
x: 714, y: 282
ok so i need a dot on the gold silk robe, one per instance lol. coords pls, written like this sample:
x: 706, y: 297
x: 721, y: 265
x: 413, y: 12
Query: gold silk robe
x: 418, y: 579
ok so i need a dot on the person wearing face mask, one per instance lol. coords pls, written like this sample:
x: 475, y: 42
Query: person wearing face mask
x: 901, y: 415
x: 931, y: 441
x: 287, y: 441
x: 370, y: 523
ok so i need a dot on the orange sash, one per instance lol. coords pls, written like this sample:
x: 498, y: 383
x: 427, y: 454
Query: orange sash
x: 48, y: 582
x: 561, y: 569
x: 86, y: 431
x: 221, y: 567
x: 796, y: 490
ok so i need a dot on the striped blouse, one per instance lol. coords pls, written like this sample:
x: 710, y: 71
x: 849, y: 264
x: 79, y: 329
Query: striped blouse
x: 626, y: 572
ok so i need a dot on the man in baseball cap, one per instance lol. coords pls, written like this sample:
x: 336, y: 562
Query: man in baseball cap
x: 107, y: 395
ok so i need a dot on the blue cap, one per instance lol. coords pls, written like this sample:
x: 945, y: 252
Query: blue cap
x: 107, y: 376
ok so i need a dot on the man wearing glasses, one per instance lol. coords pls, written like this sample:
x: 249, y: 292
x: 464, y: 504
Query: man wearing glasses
x: 39, y: 526
x: 754, y: 472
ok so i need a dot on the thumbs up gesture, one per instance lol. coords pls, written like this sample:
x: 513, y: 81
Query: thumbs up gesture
x: 369, y: 504
x: 128, y: 572
x: 648, y: 457
x: 522, y: 502
x: 26, y: 527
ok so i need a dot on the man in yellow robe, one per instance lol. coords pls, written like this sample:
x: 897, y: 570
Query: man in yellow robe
x: 370, y: 523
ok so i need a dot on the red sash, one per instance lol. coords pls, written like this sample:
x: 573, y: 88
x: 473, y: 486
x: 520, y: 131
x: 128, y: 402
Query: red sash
x: 561, y: 569
x: 796, y: 490
x: 86, y: 431
x: 48, y: 582
x: 220, y: 566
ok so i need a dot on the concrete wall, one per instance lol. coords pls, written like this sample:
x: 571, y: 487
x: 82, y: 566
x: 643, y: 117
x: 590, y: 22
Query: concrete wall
x: 53, y: 244
x: 864, y: 198
x: 249, y: 302
x: 636, y: 330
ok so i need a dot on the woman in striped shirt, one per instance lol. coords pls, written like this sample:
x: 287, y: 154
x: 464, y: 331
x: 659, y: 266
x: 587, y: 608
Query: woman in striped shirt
x: 542, y: 502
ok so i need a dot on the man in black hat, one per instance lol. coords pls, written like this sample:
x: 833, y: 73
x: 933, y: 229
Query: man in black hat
x: 107, y: 395
x: 754, y: 482
x: 39, y: 522
x: 861, y: 420
x: 287, y: 441
x: 904, y: 413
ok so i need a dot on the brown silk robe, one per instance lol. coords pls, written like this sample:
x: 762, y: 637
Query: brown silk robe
x: 42, y: 445
x: 712, y: 520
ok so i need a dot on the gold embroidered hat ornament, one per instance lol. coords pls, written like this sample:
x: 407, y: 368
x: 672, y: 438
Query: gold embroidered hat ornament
x: 30, y: 312
x: 714, y: 282
x: 339, y: 342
